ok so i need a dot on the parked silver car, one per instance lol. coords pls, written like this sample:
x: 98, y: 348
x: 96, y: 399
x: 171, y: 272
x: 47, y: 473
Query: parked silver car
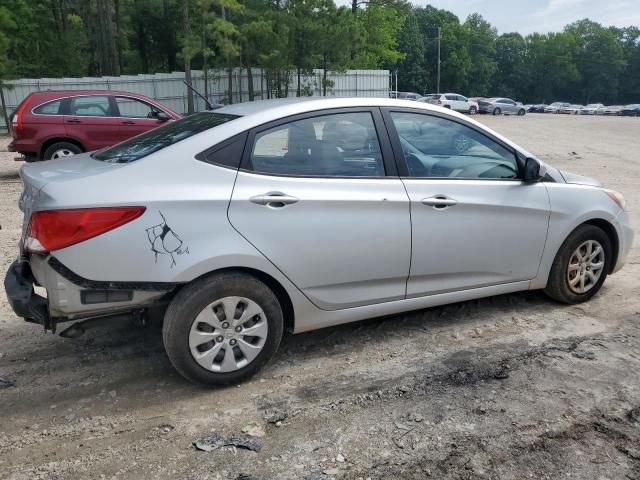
x: 259, y: 218
x: 501, y: 106
x: 591, y: 109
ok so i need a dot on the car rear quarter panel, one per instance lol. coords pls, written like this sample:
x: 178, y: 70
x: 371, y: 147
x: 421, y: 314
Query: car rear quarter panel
x: 571, y: 206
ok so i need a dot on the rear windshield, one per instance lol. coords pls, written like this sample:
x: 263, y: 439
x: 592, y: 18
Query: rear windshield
x: 162, y: 137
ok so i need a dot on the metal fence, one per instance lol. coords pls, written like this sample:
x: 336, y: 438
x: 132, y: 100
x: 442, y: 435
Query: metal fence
x: 169, y: 89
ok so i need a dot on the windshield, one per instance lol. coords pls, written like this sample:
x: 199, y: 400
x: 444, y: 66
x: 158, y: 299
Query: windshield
x: 162, y: 137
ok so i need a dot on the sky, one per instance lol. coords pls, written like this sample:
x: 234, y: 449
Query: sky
x: 527, y: 16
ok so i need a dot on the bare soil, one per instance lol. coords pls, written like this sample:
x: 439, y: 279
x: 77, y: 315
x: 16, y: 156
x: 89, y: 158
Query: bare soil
x: 509, y: 387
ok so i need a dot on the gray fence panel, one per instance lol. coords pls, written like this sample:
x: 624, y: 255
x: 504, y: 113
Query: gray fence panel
x: 169, y: 89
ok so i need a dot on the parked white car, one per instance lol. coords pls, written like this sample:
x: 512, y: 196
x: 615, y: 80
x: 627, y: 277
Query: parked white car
x: 555, y: 107
x: 454, y: 101
x: 591, y: 109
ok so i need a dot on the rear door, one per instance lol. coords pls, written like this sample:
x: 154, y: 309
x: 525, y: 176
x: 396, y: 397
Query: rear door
x: 319, y: 196
x: 136, y: 116
x: 475, y: 223
x: 91, y: 120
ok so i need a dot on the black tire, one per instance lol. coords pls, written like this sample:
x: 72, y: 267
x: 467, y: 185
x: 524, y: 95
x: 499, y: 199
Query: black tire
x: 497, y: 111
x: 522, y: 112
x: 72, y: 147
x: 473, y: 110
x: 558, y: 284
x: 192, y: 299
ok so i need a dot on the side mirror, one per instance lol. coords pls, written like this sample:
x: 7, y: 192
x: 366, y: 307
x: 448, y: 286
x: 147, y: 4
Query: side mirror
x: 534, y: 170
x: 163, y: 117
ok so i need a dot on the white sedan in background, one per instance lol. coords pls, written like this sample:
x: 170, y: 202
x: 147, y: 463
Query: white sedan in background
x: 453, y: 101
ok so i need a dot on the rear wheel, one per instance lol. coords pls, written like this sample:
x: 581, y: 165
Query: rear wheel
x: 60, y: 150
x: 497, y: 111
x: 222, y: 329
x: 581, y: 265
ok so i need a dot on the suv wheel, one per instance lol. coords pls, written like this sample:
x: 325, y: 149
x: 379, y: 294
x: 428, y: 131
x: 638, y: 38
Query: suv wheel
x: 580, y: 266
x: 222, y: 329
x: 473, y: 110
x: 60, y: 150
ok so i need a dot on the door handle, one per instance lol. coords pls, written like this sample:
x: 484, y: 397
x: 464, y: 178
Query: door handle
x: 74, y: 120
x: 274, y: 200
x: 439, y: 202
x: 128, y: 122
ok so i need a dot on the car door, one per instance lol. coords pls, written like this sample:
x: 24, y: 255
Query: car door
x: 452, y: 101
x: 474, y: 222
x: 136, y: 116
x: 91, y: 120
x: 319, y: 196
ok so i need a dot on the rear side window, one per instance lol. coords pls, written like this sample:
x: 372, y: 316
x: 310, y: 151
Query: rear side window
x: 50, y: 108
x: 162, y: 137
x: 342, y: 145
x: 91, y: 106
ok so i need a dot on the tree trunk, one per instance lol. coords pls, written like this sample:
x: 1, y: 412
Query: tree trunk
x: 298, y: 90
x: 187, y: 59
x: 250, y: 83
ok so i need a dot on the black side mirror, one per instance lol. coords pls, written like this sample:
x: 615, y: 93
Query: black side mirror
x: 163, y: 117
x: 534, y: 171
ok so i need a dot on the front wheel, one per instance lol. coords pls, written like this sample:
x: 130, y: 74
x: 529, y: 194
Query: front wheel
x: 497, y: 111
x: 581, y: 265
x: 473, y: 110
x: 222, y: 329
x: 521, y: 112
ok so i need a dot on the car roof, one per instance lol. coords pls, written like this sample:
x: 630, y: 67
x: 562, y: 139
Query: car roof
x: 71, y: 93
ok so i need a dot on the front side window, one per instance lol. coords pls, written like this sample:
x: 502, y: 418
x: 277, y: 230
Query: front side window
x: 133, y: 108
x: 162, y: 137
x: 344, y: 145
x: 438, y: 147
x: 51, y: 108
x: 91, y: 106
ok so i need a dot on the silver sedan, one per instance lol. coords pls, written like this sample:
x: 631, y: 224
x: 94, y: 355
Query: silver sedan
x: 243, y: 223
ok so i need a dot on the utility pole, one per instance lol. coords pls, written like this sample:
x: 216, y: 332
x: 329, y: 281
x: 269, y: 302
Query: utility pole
x: 439, y: 40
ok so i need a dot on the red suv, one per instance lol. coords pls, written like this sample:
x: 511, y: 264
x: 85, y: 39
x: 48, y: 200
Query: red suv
x: 55, y: 124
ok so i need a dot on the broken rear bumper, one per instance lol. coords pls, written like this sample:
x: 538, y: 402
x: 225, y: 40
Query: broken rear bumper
x: 18, y: 283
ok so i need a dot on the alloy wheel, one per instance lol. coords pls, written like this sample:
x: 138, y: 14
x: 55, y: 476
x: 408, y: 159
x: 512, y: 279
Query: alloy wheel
x: 63, y: 152
x: 585, y: 266
x: 228, y: 334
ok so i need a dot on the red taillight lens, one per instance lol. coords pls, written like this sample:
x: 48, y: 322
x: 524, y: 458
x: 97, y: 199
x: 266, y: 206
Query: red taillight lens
x: 17, y: 119
x: 55, y: 229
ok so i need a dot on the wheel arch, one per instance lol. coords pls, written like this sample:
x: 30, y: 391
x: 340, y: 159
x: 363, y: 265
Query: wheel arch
x: 276, y: 287
x: 50, y: 141
x: 611, y: 232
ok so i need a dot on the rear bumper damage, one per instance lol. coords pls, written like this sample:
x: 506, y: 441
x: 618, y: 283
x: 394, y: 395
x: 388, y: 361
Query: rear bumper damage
x: 71, y: 297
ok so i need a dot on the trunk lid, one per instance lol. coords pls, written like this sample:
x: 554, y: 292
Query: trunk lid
x: 36, y: 176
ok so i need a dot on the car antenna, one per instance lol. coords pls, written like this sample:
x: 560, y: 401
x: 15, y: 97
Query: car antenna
x: 210, y: 106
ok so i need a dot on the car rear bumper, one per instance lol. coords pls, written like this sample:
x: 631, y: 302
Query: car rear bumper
x: 23, y: 146
x: 18, y: 284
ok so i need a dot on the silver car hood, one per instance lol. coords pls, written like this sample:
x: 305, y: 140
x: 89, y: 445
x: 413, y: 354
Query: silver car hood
x: 579, y: 179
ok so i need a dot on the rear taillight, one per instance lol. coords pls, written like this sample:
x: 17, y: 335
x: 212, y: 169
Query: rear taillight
x: 55, y: 229
x: 17, y: 118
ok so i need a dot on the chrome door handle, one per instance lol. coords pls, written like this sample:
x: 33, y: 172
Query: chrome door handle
x: 274, y: 200
x: 439, y: 201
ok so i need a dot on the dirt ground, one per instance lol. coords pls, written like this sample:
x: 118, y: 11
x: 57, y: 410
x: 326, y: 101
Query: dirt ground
x: 510, y: 387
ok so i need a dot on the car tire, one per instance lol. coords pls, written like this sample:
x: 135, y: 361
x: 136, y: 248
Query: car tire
x: 193, y: 301
x: 521, y: 112
x: 497, y: 111
x: 60, y: 150
x: 473, y: 110
x: 558, y: 286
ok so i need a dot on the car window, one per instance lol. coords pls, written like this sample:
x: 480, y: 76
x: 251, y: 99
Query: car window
x: 438, y: 147
x: 344, y: 145
x: 173, y: 132
x: 451, y: 97
x: 91, y: 106
x: 133, y: 108
x: 51, y: 108
x: 461, y: 98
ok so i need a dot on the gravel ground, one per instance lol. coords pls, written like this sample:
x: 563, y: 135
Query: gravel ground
x: 509, y: 387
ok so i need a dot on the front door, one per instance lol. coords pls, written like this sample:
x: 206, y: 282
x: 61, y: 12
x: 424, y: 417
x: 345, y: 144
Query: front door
x: 320, y: 198
x: 136, y: 116
x: 475, y: 223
